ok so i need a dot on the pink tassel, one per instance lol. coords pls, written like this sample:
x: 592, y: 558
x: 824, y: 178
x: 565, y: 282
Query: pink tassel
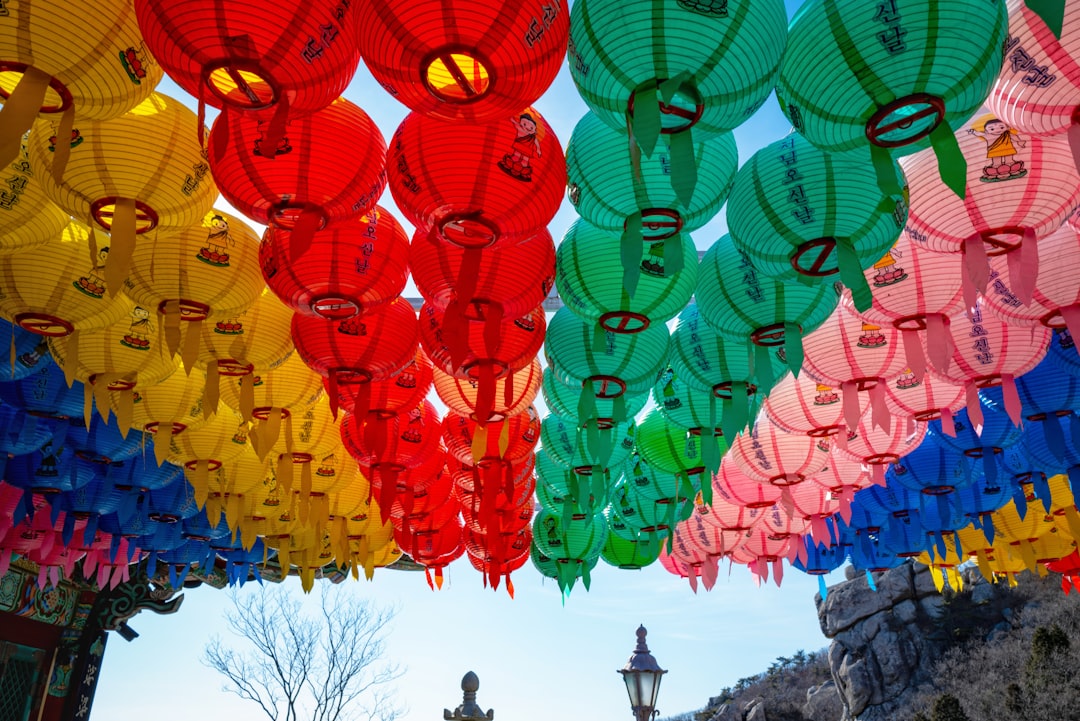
x: 976, y: 262
x: 877, y: 474
x: 878, y: 408
x: 947, y: 424
x: 1012, y: 398
x: 1071, y: 315
x: 849, y: 392
x: 974, y: 407
x: 778, y: 571
x: 913, y: 352
x: 939, y: 342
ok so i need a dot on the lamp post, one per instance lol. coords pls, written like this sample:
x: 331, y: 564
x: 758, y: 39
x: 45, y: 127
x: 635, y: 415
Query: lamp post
x: 642, y: 677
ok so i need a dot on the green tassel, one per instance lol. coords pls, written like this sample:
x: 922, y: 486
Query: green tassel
x: 851, y: 274
x: 592, y: 441
x: 885, y: 170
x: 673, y: 256
x: 763, y: 366
x: 630, y: 250
x: 1052, y: 13
x: 951, y: 164
x: 793, y: 348
x: 586, y: 409
x: 646, y: 120
x: 684, y: 172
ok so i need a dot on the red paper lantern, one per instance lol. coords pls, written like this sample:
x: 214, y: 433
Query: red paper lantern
x: 515, y: 276
x: 477, y: 185
x: 349, y: 267
x: 490, y: 347
x: 369, y: 347
x: 283, y: 57
x: 509, y: 441
x: 391, y: 396
x: 463, y: 61
x: 327, y: 167
x: 513, y: 394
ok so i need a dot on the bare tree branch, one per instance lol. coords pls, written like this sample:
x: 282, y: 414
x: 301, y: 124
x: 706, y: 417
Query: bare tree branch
x: 327, y: 666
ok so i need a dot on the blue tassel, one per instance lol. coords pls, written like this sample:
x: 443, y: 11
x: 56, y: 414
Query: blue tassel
x: 821, y: 588
x: 870, y: 581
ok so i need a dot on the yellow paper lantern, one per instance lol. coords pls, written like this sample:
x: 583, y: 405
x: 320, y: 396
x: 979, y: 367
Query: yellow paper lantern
x: 57, y: 289
x: 66, y: 60
x: 315, y: 447
x: 27, y: 216
x: 206, y: 272
x: 140, y: 173
x: 169, y: 408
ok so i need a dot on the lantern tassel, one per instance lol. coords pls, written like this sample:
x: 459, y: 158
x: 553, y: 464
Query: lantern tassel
x: 974, y: 408
x: 62, y: 154
x: 646, y: 119
x: 468, y: 276
x: 247, y: 396
x: 948, y: 426
x: 977, y: 265
x: 939, y: 341
x: 171, y: 325
x: 189, y: 352
x: 885, y: 169
x: 19, y: 112
x: 211, y: 390
x: 793, y: 347
x: 952, y: 167
x: 1051, y: 12
x: 125, y: 413
x: 849, y: 393
x: 303, y: 231
x: 630, y: 251
x: 879, y: 409
x: 684, y: 170
x: 913, y: 353
x: 851, y: 274
x: 121, y: 245
x: 1071, y: 315
x: 1074, y: 146
x: 1012, y: 398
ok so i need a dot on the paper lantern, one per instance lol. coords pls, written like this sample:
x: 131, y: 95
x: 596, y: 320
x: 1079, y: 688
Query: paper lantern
x: 646, y: 67
x: 28, y: 352
x: 477, y: 184
x: 462, y: 62
x: 487, y: 348
x: 924, y: 400
x: 1038, y: 88
x: 800, y: 213
x: 206, y: 272
x: 569, y: 447
x: 648, y: 481
x: 25, y: 432
x: 513, y: 393
x: 768, y: 454
x: 988, y: 353
x: 168, y: 408
x: 125, y: 358
x: 693, y: 558
x: 349, y: 268
x: 45, y: 393
x: 1055, y: 298
x: 392, y: 396
x: 685, y: 406
x: 577, y: 492
x: 814, y: 505
x: 272, y: 397
x: 870, y: 84
x: 933, y: 470
x: 1063, y: 351
x: 605, y: 192
x: 142, y: 172
x: 628, y: 554
x: 305, y: 182
x: 625, y: 364
x: 915, y: 290
x: 563, y: 400
x: 101, y: 442
x: 27, y: 216
x: 405, y: 442
x: 740, y: 304
x: 521, y: 433
x: 1019, y: 189
x: 802, y: 405
x: 64, y: 61
x: 516, y: 277
x: 370, y: 347
x: 677, y: 451
x: 1048, y: 398
x: 650, y: 517
x: 735, y: 487
x: 70, y: 297
x: 857, y: 357
x: 877, y: 447
x: 240, y: 55
x: 593, y: 287
x: 254, y: 341
x: 843, y: 477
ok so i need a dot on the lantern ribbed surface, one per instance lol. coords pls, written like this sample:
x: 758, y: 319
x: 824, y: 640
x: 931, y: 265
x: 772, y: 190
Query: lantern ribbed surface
x: 150, y: 154
x: 177, y: 400
x: 1038, y: 88
x: 793, y: 204
x: 626, y: 363
x: 407, y: 440
x: 922, y: 399
x: 768, y: 454
x: 845, y: 349
x: 1055, y: 293
x: 292, y: 385
x: 240, y: 55
x: 655, y: 483
x: 563, y: 399
x: 802, y: 405
x: 219, y: 442
x: 95, y: 56
x: 605, y: 192
x: 208, y: 271
x: 465, y: 349
x: 45, y: 392
x: 877, y: 447
x: 255, y: 340
x: 643, y: 514
x: 306, y: 178
x: 1016, y: 182
x: 349, y: 267
x: 27, y: 216
x: 569, y: 447
x: 627, y: 554
x: 851, y: 73
x: 671, y: 449
x: 1044, y: 391
x: 391, y: 396
x: 477, y: 184
x: 369, y: 347
x: 514, y: 393
x: 31, y: 352
x: 684, y: 405
x: 459, y: 434
x: 742, y: 304
x: 71, y: 296
x: 515, y: 276
x: 590, y: 280
x: 617, y: 52
x: 461, y: 61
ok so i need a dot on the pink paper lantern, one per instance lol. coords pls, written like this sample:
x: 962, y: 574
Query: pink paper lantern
x: 767, y: 454
x: 989, y: 352
x: 928, y: 399
x: 877, y: 447
x: 1038, y: 90
x: 726, y: 514
x: 710, y: 538
x: 814, y: 503
x: 696, y: 561
x: 915, y: 290
x: 856, y: 356
x: 1020, y: 187
x: 732, y: 485
x: 802, y: 405
x: 843, y: 477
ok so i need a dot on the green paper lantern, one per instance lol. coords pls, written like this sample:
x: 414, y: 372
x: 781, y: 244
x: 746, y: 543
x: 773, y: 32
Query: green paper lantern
x: 742, y: 305
x: 592, y: 284
x: 668, y: 66
x: 684, y: 406
x: 604, y: 365
x: 605, y: 191
x: 897, y: 74
x: 582, y: 538
x: 705, y: 361
x: 650, y: 517
x: 653, y: 483
x: 676, y: 450
x: 628, y: 554
x: 589, y: 447
x: 563, y: 400
x: 564, y: 572
x: 801, y: 214
x: 572, y: 492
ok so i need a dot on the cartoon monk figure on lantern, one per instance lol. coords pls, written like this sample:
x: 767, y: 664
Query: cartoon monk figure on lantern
x: 216, y: 251
x: 1000, y: 150
x: 517, y: 163
x: 138, y: 335
x: 30, y: 359
x: 93, y: 283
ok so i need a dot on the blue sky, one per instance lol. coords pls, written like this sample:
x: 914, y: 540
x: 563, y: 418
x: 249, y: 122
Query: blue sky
x: 535, y: 657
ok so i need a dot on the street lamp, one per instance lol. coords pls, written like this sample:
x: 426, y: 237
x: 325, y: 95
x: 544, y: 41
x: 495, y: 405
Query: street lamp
x: 642, y: 677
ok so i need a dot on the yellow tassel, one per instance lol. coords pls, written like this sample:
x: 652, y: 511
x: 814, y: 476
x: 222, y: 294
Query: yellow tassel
x: 211, y: 390
x: 247, y: 396
x: 192, y: 342
x: 63, y: 146
x: 170, y: 325
x: 162, y: 441
x: 19, y: 112
x: 125, y: 414
x: 479, y: 443
x: 71, y: 356
x: 200, y: 481
x: 121, y: 245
